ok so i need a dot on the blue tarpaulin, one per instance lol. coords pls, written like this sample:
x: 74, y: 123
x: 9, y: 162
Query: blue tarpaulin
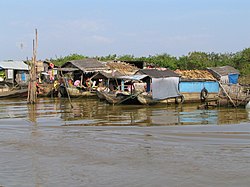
x: 192, y: 87
x: 23, y: 76
x: 233, y: 78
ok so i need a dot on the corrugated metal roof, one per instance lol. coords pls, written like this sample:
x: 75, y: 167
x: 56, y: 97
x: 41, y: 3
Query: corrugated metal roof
x: 18, y: 65
x: 106, y: 74
x: 155, y: 73
x: 68, y: 69
x: 223, y: 70
x: 86, y: 65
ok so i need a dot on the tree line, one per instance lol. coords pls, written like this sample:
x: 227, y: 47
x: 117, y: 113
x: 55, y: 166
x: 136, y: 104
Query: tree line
x: 193, y: 60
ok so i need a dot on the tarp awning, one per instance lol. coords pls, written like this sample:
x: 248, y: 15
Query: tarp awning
x: 133, y: 77
x: 163, y: 88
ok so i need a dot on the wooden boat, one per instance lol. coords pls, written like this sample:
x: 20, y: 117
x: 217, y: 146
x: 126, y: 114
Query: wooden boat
x: 235, y: 95
x: 46, y: 90
x: 75, y: 92
x: 100, y: 92
x: 147, y: 99
x: 78, y: 92
x: 120, y: 97
x: 13, y: 93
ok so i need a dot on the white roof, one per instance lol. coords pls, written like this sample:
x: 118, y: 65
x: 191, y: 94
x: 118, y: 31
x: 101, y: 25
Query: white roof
x: 133, y: 77
x: 18, y: 65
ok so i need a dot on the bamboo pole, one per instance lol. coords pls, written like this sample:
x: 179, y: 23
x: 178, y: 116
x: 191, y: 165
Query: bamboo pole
x: 227, y: 94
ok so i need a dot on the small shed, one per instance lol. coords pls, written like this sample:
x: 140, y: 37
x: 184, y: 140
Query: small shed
x: 162, y: 84
x: 15, y: 72
x: 225, y: 74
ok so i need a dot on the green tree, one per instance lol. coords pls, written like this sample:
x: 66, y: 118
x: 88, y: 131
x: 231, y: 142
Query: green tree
x: 242, y: 61
x: 165, y: 60
x: 126, y: 58
x: 60, y: 61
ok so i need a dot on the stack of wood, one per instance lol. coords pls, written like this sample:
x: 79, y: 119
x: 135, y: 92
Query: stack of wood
x: 195, y: 74
x: 122, y: 67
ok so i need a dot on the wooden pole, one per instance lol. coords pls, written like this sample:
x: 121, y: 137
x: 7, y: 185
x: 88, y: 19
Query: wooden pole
x: 32, y: 94
x: 66, y: 87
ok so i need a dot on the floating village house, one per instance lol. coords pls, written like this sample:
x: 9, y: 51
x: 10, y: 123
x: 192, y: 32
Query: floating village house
x: 82, y: 69
x: 162, y: 84
x: 112, y: 77
x: 231, y: 92
x: 14, y: 72
x: 194, y: 83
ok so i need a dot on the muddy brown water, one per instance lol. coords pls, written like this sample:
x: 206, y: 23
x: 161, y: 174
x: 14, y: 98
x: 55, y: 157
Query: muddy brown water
x: 97, y: 144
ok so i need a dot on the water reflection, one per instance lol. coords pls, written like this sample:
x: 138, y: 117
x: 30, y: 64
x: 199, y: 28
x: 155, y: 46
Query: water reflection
x: 91, y: 111
x: 38, y: 150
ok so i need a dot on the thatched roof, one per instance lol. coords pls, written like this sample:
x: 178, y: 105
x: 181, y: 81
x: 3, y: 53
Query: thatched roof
x: 122, y: 67
x: 86, y: 65
x: 155, y: 73
x: 195, y: 74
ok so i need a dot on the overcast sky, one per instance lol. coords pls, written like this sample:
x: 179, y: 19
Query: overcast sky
x: 135, y: 27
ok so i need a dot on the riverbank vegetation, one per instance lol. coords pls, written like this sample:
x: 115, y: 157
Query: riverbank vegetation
x: 193, y: 60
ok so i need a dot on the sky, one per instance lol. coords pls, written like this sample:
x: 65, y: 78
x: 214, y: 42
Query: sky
x: 134, y: 27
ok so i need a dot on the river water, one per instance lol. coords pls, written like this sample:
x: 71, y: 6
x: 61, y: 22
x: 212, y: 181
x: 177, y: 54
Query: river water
x: 96, y: 144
